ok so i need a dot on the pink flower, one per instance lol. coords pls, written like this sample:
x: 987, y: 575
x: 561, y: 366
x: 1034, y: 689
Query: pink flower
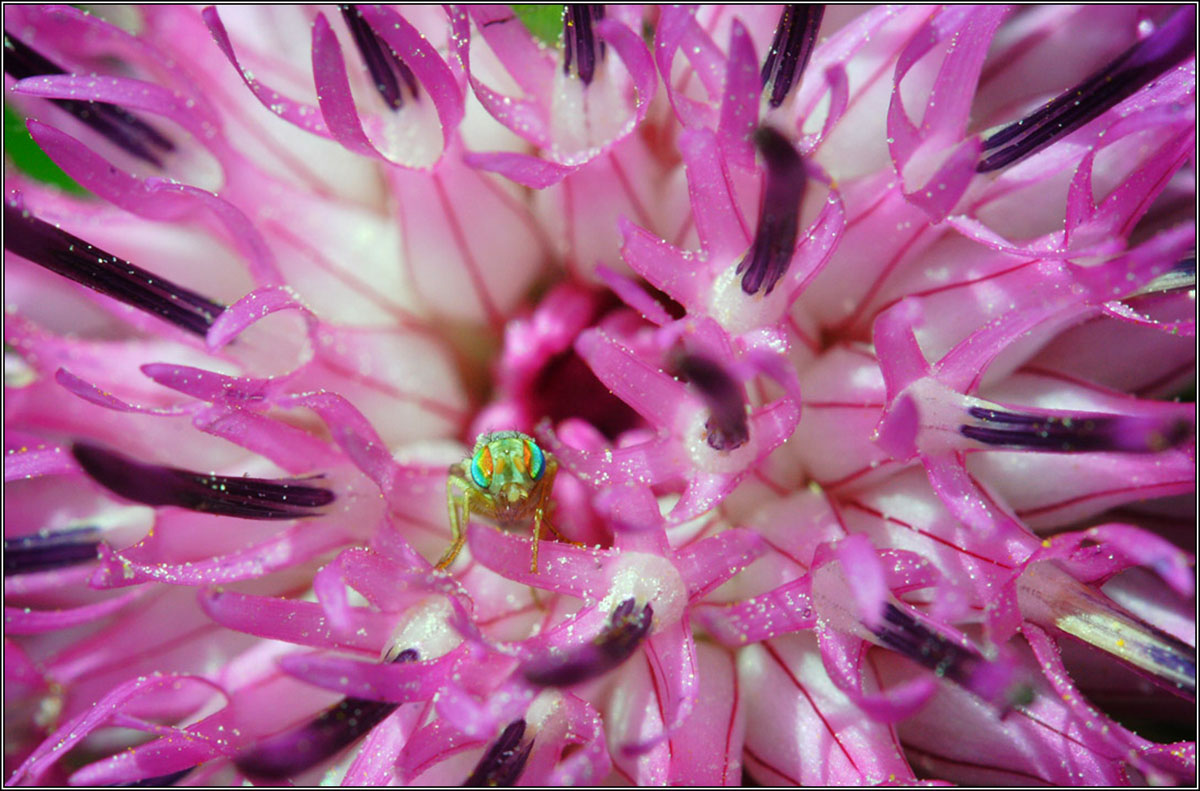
x: 861, y: 341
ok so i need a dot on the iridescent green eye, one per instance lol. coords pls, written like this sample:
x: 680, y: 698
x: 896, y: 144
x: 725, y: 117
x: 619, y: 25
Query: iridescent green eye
x: 535, y: 461
x: 481, y: 468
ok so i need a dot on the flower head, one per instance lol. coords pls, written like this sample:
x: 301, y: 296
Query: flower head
x: 856, y: 342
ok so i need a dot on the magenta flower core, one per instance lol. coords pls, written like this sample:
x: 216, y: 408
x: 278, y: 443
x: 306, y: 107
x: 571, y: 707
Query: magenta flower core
x: 844, y: 356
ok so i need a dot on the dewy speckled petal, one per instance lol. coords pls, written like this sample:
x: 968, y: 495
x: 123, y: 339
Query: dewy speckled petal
x: 862, y: 426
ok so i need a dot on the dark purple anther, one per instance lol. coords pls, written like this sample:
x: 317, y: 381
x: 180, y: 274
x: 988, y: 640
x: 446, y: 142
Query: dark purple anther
x: 790, y: 50
x: 580, y: 46
x: 386, y: 67
x: 246, y: 498
x: 504, y: 760
x: 293, y: 751
x: 122, y: 128
x: 727, y: 427
x: 779, y: 215
x: 50, y: 549
x: 991, y: 681
x: 625, y: 632
x: 1132, y: 70
x: 1076, y: 433
x: 73, y: 258
x: 159, y: 781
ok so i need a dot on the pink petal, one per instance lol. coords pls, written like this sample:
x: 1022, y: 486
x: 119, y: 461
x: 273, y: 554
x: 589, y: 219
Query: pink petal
x: 788, y: 608
x: 73, y: 732
x: 397, y: 683
x: 723, y: 230
x: 709, y: 562
x: 843, y: 655
x: 707, y: 750
x: 302, y: 115
x: 677, y: 30
x: 157, y: 199
x: 819, y: 736
x: 743, y: 87
x: 33, y: 462
x: 299, y: 622
x: 562, y: 568
x: 23, y: 620
x: 293, y: 546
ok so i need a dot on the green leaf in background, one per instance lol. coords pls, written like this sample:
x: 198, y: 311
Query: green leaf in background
x: 544, y: 21
x: 29, y: 158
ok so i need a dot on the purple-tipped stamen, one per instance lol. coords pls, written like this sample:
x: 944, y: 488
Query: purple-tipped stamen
x: 1076, y: 434
x: 159, y: 781
x: 73, y: 258
x: 727, y: 427
x: 779, y: 215
x: 246, y: 498
x: 1176, y: 661
x: 991, y: 681
x: 795, y: 37
x: 1051, y: 597
x: 580, y: 46
x: 386, y: 67
x: 1132, y: 70
x: 337, y: 727
x: 50, y: 549
x: 504, y: 761
x: 625, y: 632
x: 122, y: 128
x: 1177, y: 278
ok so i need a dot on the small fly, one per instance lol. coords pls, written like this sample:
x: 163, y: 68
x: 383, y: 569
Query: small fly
x: 508, y: 479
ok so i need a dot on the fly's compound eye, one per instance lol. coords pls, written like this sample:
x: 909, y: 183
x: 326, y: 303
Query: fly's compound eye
x: 535, y: 461
x: 481, y: 467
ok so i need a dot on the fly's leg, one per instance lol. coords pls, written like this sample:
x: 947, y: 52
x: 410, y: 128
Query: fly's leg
x: 539, y: 513
x: 537, y: 529
x: 458, y: 503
